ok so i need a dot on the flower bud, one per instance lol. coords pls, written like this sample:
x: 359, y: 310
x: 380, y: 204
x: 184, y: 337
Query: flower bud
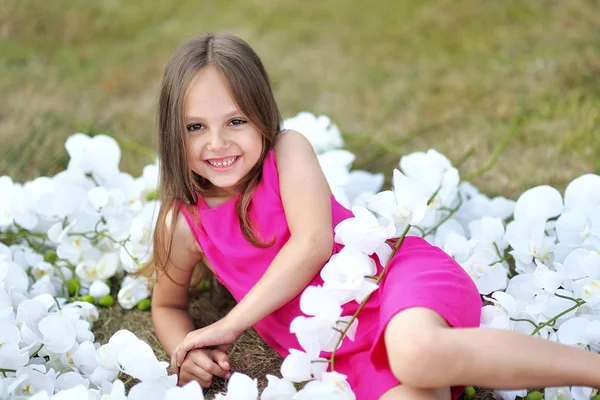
x: 151, y: 196
x: 73, y: 285
x: 106, y: 301
x: 87, y: 298
x: 204, y: 285
x: 144, y: 305
x: 469, y: 393
x: 50, y: 257
x: 534, y: 396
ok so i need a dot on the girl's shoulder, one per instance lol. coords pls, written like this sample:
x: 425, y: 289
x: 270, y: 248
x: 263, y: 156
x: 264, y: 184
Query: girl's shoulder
x: 182, y: 234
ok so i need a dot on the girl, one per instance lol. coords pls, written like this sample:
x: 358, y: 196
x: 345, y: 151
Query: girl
x: 251, y: 202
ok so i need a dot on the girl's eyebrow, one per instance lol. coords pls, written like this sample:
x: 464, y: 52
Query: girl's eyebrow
x: 226, y: 116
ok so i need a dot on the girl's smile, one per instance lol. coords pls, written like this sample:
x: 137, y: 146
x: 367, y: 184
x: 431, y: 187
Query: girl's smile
x: 223, y: 164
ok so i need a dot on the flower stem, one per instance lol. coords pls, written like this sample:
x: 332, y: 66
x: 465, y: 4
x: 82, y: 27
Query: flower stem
x: 5, y: 370
x: 36, y: 352
x: 446, y: 218
x: 551, y: 321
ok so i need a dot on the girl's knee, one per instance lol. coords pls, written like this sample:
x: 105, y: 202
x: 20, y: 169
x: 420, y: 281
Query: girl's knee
x: 412, y: 340
x: 404, y: 392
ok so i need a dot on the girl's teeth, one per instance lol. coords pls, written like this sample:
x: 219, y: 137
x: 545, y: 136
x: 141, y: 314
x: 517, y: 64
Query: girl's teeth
x: 223, y: 164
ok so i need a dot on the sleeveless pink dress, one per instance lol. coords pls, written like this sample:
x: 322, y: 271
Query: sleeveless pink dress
x: 419, y: 275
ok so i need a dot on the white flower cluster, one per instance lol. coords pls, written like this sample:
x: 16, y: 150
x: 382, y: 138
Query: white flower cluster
x: 70, y: 234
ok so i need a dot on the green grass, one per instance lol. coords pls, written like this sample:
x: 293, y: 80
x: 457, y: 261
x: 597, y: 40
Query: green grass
x: 442, y: 74
x: 447, y: 75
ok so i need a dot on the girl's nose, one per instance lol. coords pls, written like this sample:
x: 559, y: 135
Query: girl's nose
x: 216, y: 141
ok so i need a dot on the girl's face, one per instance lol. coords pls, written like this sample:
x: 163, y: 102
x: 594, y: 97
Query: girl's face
x: 223, y: 145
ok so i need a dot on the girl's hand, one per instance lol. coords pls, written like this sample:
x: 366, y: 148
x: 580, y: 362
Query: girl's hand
x: 218, y: 335
x: 202, y: 364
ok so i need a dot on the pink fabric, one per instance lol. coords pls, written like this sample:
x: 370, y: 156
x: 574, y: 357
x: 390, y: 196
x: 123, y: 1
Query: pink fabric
x: 419, y: 275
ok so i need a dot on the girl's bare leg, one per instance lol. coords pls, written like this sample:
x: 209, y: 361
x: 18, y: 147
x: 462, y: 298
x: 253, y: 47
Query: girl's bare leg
x: 403, y: 392
x: 425, y: 353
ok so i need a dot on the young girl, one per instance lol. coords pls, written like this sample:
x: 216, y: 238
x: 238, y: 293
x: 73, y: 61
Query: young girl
x: 251, y: 202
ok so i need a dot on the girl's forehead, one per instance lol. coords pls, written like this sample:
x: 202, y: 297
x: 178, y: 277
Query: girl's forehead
x: 208, y: 95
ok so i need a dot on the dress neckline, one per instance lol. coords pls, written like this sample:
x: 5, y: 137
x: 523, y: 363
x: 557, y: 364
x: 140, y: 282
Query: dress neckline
x: 203, y: 205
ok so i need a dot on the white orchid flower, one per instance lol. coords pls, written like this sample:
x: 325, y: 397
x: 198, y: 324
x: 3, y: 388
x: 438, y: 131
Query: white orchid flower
x: 72, y: 248
x: 153, y: 389
x: 84, y: 357
x: 324, y: 309
x: 583, y: 193
x: 459, y: 247
x: 37, y: 379
x: 133, y: 290
x: 588, y: 289
x: 575, y: 228
x: 540, y: 202
x: 322, y: 133
x: 299, y: 366
x: 99, y: 155
x: 190, y: 391
x: 549, y: 280
x: 136, y: 358
x: 116, y: 390
x: 87, y: 311
x: 364, y: 232
x: 15, y: 280
x: 511, y: 394
x: 99, y: 289
x: 278, y: 389
x: 587, y: 261
x: 11, y: 355
x: 58, y: 333
x: 498, y: 315
x: 240, y: 387
x: 405, y: 205
x: 489, y: 231
x: 488, y: 275
x: 558, y: 393
x: 332, y: 385
x: 529, y: 242
x: 361, y: 186
x: 71, y: 380
x: 345, y: 273
x: 580, y: 332
x: 433, y: 171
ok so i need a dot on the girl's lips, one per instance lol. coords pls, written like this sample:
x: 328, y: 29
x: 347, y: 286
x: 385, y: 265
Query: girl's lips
x: 222, y: 168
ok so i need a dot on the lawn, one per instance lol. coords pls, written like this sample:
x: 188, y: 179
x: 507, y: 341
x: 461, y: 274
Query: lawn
x: 401, y: 76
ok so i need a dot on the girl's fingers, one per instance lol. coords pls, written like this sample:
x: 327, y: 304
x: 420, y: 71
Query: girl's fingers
x: 221, y: 358
x: 181, y: 351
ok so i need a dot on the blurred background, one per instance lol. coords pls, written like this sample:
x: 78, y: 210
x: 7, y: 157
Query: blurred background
x: 396, y: 76
x: 413, y: 75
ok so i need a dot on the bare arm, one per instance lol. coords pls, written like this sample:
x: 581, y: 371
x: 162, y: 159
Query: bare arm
x: 306, y: 200
x: 170, y: 315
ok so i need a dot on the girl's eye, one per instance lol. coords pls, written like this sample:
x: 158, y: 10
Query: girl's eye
x: 194, y: 127
x: 237, y: 122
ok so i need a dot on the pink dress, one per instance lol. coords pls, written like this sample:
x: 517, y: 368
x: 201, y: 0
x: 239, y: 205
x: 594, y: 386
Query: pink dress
x: 419, y: 275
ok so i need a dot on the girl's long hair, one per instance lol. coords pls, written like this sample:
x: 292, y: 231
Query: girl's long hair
x: 179, y: 186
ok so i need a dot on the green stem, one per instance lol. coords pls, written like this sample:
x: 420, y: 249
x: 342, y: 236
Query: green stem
x: 553, y: 320
x: 5, y: 370
x: 464, y: 157
x: 569, y: 298
x: 523, y: 320
x: 447, y: 217
x: 516, y: 121
x: 36, y: 352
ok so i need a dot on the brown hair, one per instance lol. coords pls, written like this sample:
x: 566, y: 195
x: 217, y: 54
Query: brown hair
x: 251, y: 90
